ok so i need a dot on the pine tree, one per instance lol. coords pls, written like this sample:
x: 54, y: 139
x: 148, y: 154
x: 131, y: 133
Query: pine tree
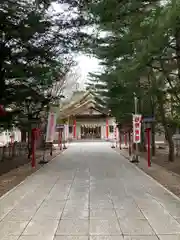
x: 140, y: 53
x: 34, y: 45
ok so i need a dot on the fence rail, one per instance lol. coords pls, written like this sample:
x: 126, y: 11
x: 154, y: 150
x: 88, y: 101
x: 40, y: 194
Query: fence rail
x: 11, y: 151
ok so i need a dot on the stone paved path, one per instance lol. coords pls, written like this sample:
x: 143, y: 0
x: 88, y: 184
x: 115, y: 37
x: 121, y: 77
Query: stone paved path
x: 89, y: 192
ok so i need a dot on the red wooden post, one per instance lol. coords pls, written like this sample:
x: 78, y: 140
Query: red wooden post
x: 61, y: 140
x: 148, y: 131
x: 120, y: 140
x: 33, y: 139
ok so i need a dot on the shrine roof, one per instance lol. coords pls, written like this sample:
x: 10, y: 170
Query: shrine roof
x: 80, y: 101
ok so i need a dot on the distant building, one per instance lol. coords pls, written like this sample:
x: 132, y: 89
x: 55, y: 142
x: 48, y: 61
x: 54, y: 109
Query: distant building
x: 84, y: 119
x: 5, y: 136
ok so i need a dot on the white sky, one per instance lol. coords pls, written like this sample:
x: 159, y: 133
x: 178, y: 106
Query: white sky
x: 86, y: 64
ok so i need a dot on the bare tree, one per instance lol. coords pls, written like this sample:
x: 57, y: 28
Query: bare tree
x: 70, y: 83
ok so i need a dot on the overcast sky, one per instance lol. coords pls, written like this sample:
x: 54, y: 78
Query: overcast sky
x: 85, y: 63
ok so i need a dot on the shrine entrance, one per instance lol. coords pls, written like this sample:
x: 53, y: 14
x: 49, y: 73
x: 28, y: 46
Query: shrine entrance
x: 90, y: 132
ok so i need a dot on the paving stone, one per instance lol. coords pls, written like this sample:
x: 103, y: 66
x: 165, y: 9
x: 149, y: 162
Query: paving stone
x: 76, y: 212
x: 20, y: 214
x: 71, y: 204
x: 103, y: 214
x: 41, y: 228
x: 163, y: 223
x: 89, y: 193
x: 104, y: 227
x: 135, y: 226
x: 71, y: 238
x: 106, y: 238
x: 10, y: 238
x: 57, y: 196
x: 73, y: 227
x: 8, y: 228
x: 36, y: 237
x: 169, y: 237
x: 141, y: 238
x: 129, y: 213
x: 102, y: 204
x: 49, y: 211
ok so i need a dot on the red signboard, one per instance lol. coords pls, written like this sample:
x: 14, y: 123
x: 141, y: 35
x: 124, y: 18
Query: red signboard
x: 137, y: 128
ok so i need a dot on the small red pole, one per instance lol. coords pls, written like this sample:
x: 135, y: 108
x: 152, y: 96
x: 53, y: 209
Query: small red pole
x: 107, y: 129
x: 130, y: 152
x: 120, y: 140
x: 33, y: 162
x: 148, y: 130
x: 59, y: 138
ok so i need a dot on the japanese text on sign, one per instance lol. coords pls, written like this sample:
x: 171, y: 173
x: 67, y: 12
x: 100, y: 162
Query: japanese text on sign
x: 137, y: 128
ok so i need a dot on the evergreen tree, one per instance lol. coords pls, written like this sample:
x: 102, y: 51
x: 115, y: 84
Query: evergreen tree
x: 34, y: 45
x: 140, y: 54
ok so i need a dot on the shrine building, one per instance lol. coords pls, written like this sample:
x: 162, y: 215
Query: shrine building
x: 82, y: 118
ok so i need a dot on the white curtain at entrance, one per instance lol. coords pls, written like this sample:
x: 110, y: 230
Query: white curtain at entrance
x: 103, y: 132
x: 66, y: 132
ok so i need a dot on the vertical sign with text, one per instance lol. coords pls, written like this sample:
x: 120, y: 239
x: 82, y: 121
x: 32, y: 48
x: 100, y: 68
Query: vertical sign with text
x: 137, y: 128
x: 51, y: 127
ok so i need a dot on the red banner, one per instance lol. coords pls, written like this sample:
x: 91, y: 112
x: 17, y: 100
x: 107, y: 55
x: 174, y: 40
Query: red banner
x: 107, y: 128
x: 137, y: 128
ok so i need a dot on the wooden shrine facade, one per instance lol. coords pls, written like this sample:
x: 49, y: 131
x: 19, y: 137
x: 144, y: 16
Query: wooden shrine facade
x: 83, y: 119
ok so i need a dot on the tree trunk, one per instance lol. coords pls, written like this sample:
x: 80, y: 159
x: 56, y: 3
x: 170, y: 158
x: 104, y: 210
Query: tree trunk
x: 23, y: 135
x: 153, y: 130
x: 142, y: 145
x: 177, y: 37
x: 167, y: 129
